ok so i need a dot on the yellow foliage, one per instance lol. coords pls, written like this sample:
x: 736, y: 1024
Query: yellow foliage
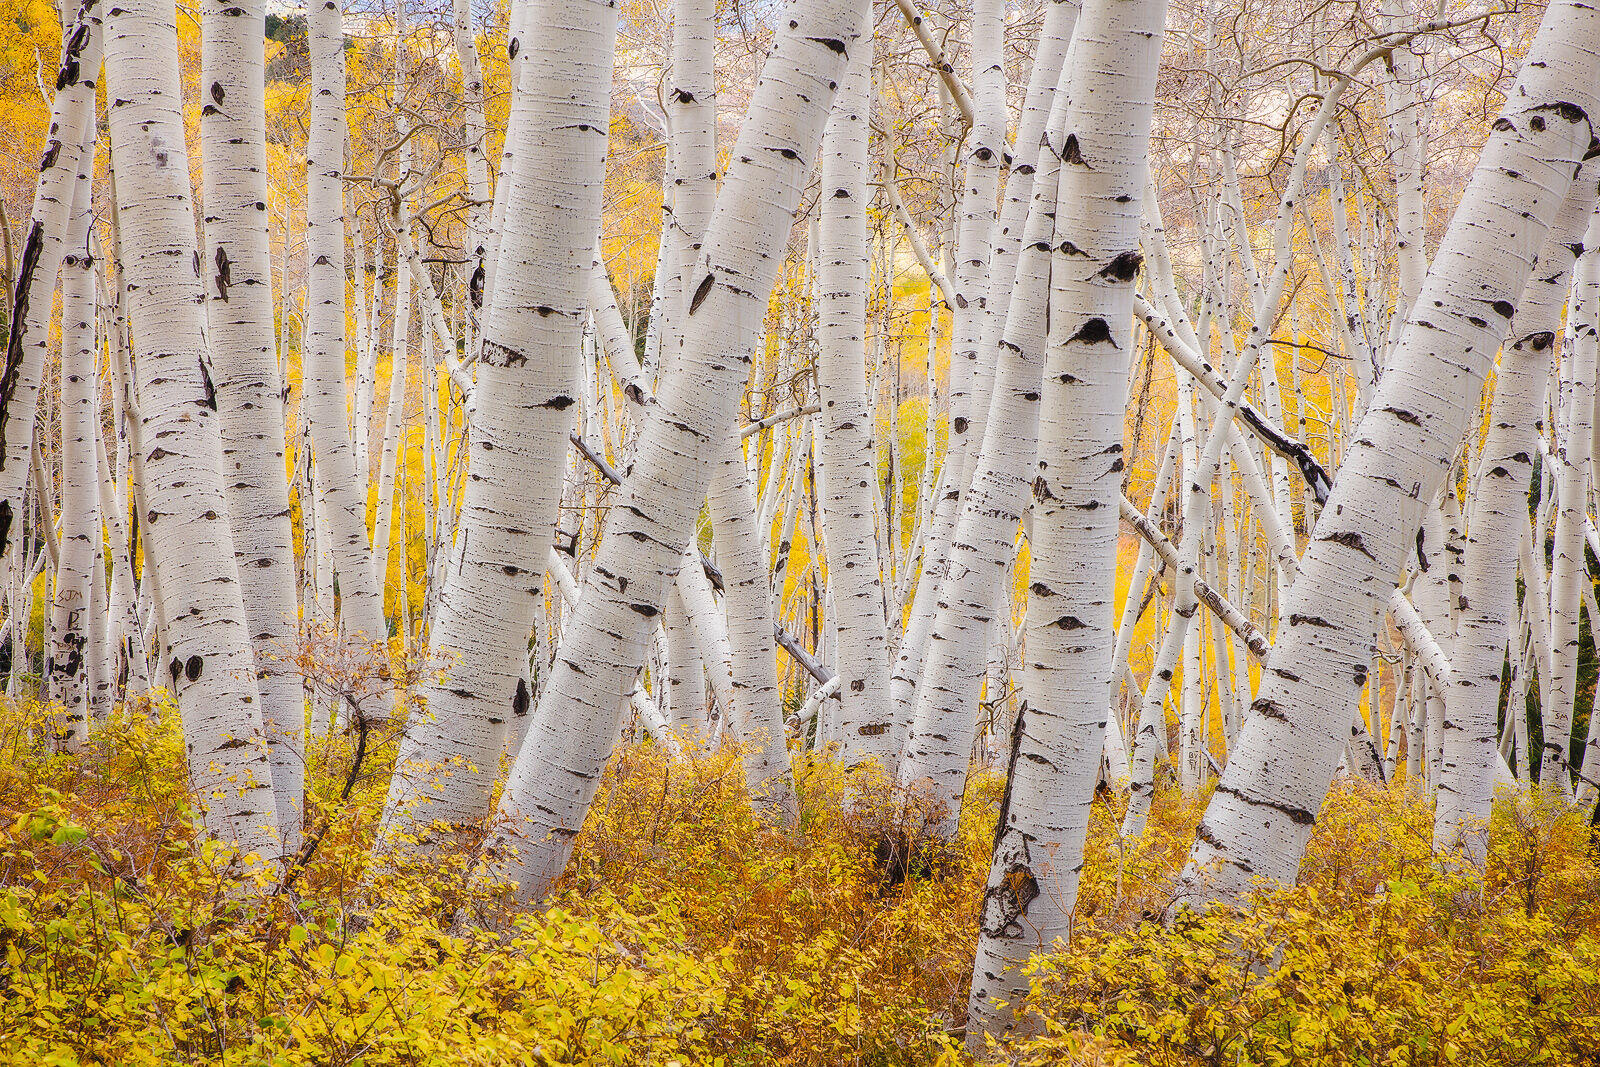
x: 1384, y: 954
x: 688, y: 931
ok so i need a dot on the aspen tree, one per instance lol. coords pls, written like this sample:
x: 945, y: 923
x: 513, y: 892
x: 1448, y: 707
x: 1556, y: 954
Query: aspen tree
x: 686, y: 674
x: 67, y: 163
x: 1572, y: 460
x: 1056, y: 744
x: 1260, y: 816
x: 1499, y: 513
x: 475, y: 135
x: 937, y: 751
x: 340, y: 480
x: 67, y: 662
x: 757, y: 711
x: 845, y: 424
x: 237, y: 271
x: 971, y: 368
x: 557, y: 770
x: 522, y: 400
x: 186, y: 526
x: 393, y: 423
x: 692, y: 133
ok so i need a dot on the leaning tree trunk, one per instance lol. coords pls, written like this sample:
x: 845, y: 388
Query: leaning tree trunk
x: 971, y: 362
x: 1261, y: 814
x: 975, y: 590
x: 863, y: 723
x: 186, y: 528
x: 1488, y: 598
x: 68, y: 162
x: 523, y: 399
x: 1569, y: 569
x: 558, y: 768
x: 238, y: 274
x: 1056, y: 744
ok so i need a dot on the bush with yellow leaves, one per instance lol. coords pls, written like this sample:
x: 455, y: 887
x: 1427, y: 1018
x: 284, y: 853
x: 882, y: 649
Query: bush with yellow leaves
x: 1383, y: 954
x: 689, y: 932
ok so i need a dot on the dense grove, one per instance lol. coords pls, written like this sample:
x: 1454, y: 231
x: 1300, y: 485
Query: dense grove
x: 688, y: 932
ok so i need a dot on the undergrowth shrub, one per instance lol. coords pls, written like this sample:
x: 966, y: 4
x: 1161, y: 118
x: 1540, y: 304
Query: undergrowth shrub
x: 1383, y: 954
x: 687, y: 931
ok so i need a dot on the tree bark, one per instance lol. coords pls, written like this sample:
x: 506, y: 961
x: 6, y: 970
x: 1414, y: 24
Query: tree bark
x: 237, y: 272
x: 1261, y: 814
x: 1059, y: 734
x: 186, y: 526
x: 559, y: 765
x: 341, y: 479
x: 67, y: 163
x: 66, y: 663
x: 864, y: 725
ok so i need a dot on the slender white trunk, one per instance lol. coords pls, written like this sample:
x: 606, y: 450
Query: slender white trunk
x: 369, y: 324
x: 971, y: 368
x: 686, y: 677
x: 757, y: 713
x: 710, y: 638
x: 1572, y: 461
x: 340, y: 480
x: 1261, y: 814
x: 186, y: 527
x: 692, y: 126
x: 130, y: 666
x: 475, y: 137
x: 394, y: 431
x: 1056, y: 745
x: 249, y: 393
x: 845, y: 427
x: 1498, y: 517
x: 1150, y: 735
x: 985, y: 535
x: 558, y: 767
x: 67, y: 163
x: 1410, y: 160
x: 523, y: 411
x: 66, y: 663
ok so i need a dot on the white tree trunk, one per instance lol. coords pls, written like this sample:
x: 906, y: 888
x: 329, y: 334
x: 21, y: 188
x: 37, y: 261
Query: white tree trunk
x: 475, y: 135
x: 1262, y: 812
x: 394, y: 429
x: 686, y: 676
x: 1056, y: 745
x: 340, y: 480
x: 249, y: 393
x: 1498, y: 518
x: 68, y: 162
x: 747, y: 599
x: 558, y: 767
x: 66, y: 663
x: 129, y: 655
x: 845, y: 427
x: 1571, y: 461
x: 692, y: 127
x: 523, y: 399
x: 985, y: 536
x: 971, y: 369
x: 212, y: 667
x: 711, y: 638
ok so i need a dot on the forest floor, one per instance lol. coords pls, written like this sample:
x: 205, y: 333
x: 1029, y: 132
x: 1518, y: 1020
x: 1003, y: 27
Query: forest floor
x: 687, y: 932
